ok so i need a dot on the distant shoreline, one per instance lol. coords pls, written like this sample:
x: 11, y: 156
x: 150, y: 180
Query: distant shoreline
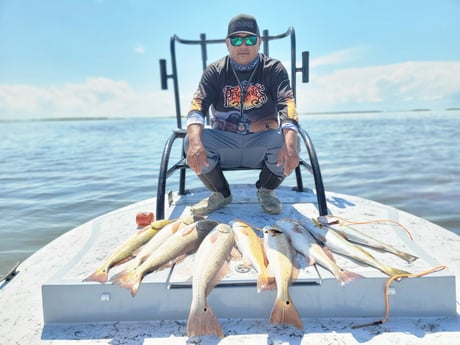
x: 102, y: 118
x: 375, y: 111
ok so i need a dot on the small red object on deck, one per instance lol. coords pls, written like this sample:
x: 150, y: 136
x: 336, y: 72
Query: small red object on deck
x: 144, y: 218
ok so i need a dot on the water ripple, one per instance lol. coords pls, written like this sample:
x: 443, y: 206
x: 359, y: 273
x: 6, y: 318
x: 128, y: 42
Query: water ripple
x: 56, y: 175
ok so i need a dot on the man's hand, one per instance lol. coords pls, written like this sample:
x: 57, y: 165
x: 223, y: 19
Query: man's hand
x: 289, y: 155
x: 196, y: 153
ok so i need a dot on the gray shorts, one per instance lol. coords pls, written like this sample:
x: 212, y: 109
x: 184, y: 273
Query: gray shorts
x: 233, y: 150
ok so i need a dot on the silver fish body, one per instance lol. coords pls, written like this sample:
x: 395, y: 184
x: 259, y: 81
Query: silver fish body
x: 340, y: 245
x: 307, y: 245
x: 356, y: 236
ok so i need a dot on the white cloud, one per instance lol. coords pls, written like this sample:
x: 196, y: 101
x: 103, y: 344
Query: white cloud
x: 139, y: 49
x: 403, y: 86
x: 95, y: 97
x: 338, y: 57
x: 400, y: 86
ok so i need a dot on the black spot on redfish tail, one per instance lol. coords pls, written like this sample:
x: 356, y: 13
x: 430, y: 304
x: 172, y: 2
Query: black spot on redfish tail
x: 285, y: 313
x: 203, y: 322
x: 100, y: 276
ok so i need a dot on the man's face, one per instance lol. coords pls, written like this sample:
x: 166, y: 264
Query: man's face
x: 243, y: 54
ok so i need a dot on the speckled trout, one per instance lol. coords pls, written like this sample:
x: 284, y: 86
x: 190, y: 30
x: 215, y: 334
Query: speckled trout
x: 356, y: 236
x: 340, y: 245
x: 182, y: 242
x: 306, y: 244
x: 126, y: 249
x: 279, y: 254
x: 210, y: 266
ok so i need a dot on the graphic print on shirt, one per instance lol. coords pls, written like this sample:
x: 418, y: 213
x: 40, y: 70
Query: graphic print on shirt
x: 255, y: 97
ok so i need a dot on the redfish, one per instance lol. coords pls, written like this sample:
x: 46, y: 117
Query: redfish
x: 180, y: 243
x: 126, y: 249
x: 155, y: 242
x: 210, y: 267
x: 279, y: 254
x: 251, y: 246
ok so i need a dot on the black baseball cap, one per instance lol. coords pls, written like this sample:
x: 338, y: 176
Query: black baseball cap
x: 243, y: 23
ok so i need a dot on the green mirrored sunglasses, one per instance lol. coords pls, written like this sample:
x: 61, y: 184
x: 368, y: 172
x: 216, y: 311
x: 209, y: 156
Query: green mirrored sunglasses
x: 237, y: 41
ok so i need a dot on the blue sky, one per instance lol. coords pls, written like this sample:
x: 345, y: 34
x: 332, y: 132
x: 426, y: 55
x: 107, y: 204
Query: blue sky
x: 63, y: 58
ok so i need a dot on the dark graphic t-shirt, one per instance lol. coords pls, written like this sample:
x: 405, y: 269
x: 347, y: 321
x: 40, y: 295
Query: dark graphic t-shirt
x: 268, y: 95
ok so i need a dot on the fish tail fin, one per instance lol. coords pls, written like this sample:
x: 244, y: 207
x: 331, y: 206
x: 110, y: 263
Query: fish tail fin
x: 284, y: 312
x: 100, y: 275
x: 130, y: 280
x: 345, y: 277
x: 265, y: 282
x: 203, y: 322
x: 408, y: 257
x: 391, y: 271
x: 135, y: 286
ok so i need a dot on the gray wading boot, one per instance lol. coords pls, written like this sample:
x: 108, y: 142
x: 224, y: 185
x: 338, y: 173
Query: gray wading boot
x: 266, y: 186
x: 215, y: 181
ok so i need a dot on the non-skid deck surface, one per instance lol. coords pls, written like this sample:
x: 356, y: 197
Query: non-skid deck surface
x: 166, y: 294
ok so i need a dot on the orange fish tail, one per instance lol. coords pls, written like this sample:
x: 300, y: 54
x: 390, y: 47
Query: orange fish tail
x: 345, y: 277
x: 284, y: 312
x: 135, y: 286
x: 129, y: 280
x: 203, y: 322
x: 100, y: 276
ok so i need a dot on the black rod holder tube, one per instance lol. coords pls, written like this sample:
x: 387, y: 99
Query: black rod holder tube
x: 163, y: 75
x: 305, y: 67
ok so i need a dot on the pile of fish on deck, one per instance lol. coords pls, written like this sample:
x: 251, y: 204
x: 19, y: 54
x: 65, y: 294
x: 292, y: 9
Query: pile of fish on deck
x: 167, y: 241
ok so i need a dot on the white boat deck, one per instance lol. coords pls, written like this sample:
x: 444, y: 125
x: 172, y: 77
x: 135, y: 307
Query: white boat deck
x: 68, y: 309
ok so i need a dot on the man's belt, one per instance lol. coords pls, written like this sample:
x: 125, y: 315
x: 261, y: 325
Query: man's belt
x: 244, y: 127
